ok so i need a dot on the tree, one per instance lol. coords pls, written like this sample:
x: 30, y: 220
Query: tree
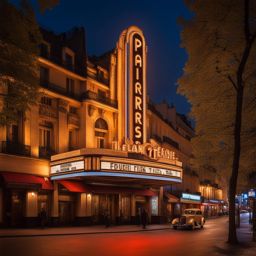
x: 219, y: 81
x: 20, y: 38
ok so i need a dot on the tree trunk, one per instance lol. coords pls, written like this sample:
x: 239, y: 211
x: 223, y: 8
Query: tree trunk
x: 254, y: 220
x: 238, y: 217
x: 232, y: 236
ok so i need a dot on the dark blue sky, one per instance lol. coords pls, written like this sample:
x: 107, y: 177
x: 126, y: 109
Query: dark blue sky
x: 104, y: 21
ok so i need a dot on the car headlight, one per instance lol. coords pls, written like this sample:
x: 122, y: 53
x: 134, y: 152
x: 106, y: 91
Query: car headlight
x: 191, y: 221
x: 174, y: 221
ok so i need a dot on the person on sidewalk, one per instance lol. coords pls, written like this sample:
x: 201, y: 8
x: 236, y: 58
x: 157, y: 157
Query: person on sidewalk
x: 106, y: 219
x: 138, y: 217
x: 43, y: 218
x: 144, y: 217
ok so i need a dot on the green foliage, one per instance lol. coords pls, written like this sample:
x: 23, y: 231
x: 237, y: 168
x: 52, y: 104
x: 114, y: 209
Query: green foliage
x: 215, y: 40
x: 19, y: 76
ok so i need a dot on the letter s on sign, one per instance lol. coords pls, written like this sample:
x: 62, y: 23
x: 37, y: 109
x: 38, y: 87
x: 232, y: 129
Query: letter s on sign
x: 138, y: 132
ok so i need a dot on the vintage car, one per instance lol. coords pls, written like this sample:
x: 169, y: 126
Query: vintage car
x: 191, y: 218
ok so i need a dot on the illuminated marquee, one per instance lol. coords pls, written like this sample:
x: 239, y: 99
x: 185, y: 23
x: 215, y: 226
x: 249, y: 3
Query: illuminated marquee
x: 139, y: 169
x: 67, y: 167
x: 186, y: 196
x: 153, y: 152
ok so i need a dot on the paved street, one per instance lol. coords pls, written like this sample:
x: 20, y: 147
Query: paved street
x: 209, y: 241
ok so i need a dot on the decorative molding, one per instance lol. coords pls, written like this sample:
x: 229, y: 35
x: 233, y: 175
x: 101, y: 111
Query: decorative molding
x: 62, y: 105
x: 91, y: 110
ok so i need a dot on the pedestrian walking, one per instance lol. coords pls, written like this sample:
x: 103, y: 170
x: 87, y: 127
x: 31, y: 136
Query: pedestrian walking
x: 106, y: 219
x: 138, y: 217
x: 144, y: 217
x: 43, y: 218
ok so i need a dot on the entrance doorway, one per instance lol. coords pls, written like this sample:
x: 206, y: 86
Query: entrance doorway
x: 14, y: 208
x: 104, y: 204
x: 66, y: 215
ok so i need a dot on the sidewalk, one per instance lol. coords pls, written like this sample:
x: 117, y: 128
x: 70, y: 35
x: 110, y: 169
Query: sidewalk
x: 64, y: 231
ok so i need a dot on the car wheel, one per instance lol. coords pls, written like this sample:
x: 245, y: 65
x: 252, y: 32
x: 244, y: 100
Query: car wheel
x: 174, y: 227
x: 192, y: 226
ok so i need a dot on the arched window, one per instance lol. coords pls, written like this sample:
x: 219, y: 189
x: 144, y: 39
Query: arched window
x: 101, y: 124
x: 101, y: 132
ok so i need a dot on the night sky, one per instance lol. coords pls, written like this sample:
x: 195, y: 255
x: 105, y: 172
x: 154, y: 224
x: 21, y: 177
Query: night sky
x: 104, y: 21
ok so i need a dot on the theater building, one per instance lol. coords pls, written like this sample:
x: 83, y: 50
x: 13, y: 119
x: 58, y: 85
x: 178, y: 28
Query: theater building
x: 94, y: 144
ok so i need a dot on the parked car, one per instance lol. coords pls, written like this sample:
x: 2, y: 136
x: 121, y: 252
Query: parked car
x: 191, y: 218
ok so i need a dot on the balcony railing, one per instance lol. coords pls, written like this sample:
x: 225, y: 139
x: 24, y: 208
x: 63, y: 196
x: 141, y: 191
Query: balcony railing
x: 45, y: 152
x: 9, y: 147
x: 59, y: 89
x: 73, y: 119
x: 74, y: 68
x: 94, y: 96
x: 49, y: 111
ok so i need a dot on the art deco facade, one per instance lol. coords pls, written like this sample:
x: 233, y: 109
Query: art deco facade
x: 95, y: 143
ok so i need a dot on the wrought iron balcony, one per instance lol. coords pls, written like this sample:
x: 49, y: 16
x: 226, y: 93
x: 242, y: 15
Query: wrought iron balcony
x: 97, y: 97
x: 73, y: 119
x: 49, y: 111
x: 45, y: 152
x: 74, y: 68
x: 59, y: 89
x: 13, y: 148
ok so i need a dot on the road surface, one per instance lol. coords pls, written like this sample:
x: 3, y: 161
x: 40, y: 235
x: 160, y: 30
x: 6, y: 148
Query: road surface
x: 207, y: 241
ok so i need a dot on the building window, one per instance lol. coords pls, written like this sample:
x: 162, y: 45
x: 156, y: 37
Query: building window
x: 46, y: 101
x: 72, y: 110
x: 14, y: 133
x: 101, y: 124
x: 44, y: 76
x: 45, y: 138
x: 102, y: 94
x: 101, y: 132
x: 68, y: 61
x: 100, y: 142
x: 72, y: 139
x: 44, y: 50
x: 70, y: 86
x: 154, y: 205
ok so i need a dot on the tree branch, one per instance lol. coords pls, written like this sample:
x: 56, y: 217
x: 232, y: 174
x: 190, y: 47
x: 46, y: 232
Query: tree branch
x: 232, y: 82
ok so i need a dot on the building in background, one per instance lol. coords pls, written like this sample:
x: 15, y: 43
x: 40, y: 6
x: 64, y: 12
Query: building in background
x: 95, y: 145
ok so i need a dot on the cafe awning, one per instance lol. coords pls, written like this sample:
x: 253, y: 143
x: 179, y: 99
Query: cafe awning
x: 26, y: 179
x: 74, y: 186
x: 171, y: 198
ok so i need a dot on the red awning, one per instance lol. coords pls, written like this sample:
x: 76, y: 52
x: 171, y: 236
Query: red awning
x: 74, y: 186
x: 171, y: 198
x: 22, y: 178
x: 79, y: 187
x: 145, y: 192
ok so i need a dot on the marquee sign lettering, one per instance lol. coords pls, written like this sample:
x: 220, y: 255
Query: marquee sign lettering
x: 137, y: 88
x: 153, y: 152
x: 67, y: 167
x: 139, y: 169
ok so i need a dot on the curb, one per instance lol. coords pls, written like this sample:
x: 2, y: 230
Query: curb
x: 83, y: 233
